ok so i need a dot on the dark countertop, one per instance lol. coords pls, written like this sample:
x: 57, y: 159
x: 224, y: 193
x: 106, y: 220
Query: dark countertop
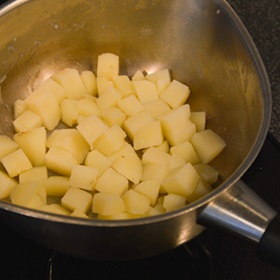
x: 261, y: 18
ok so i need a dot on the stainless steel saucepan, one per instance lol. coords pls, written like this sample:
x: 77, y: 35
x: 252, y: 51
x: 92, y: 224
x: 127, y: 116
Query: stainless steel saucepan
x: 206, y: 46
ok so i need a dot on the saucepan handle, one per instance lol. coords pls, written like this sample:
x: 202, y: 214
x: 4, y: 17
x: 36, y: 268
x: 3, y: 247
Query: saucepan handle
x: 240, y: 211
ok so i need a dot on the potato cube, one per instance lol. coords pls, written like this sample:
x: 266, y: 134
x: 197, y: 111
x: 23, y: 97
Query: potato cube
x: 88, y: 106
x: 110, y: 141
x: 156, y: 108
x: 89, y: 80
x: 33, y: 143
x: 155, y: 155
x: 130, y: 105
x: 138, y: 76
x: 112, y: 182
x: 69, y: 111
x: 16, y: 163
x: 108, y: 99
x: 55, y: 209
x: 57, y: 185
x: 37, y: 173
x: 148, y: 136
x: 26, y: 121
x: 161, y: 86
x: 79, y: 214
x: 163, y: 75
x: 7, y: 184
x: 207, y: 144
x: 136, y: 203
x: 202, y: 189
x: 103, y: 84
x: 124, y: 85
x: 149, y: 188
x: 91, y: 128
x: 75, y: 198
x: 208, y: 173
x: 107, y: 65
x: 7, y: 145
x: 29, y: 194
x: 157, y: 210
x: 70, y: 79
x: 19, y: 107
x: 181, y: 180
x: 107, y: 204
x: 146, y: 91
x: 176, y: 160
x: 176, y: 94
x: 114, y: 116
x: 199, y: 119
x: 173, y: 202
x: 98, y: 160
x: 83, y: 177
x: 186, y: 151
x: 60, y: 161
x: 164, y: 146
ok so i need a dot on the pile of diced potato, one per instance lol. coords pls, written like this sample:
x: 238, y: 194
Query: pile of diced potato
x: 108, y: 146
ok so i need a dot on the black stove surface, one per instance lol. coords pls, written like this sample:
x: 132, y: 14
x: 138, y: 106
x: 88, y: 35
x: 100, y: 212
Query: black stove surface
x: 212, y: 255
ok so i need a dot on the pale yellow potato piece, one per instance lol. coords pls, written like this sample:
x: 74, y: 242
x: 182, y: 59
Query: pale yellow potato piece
x: 70, y: 79
x: 154, y: 155
x: 112, y: 181
x: 69, y: 111
x: 181, y: 180
x: 60, y: 161
x: 108, y: 99
x: 163, y: 75
x: 173, y: 202
x: 110, y: 141
x: 107, y: 65
x: 161, y: 86
x: 91, y: 128
x: 186, y: 151
x: 127, y: 163
x: 38, y: 101
x: 108, y: 204
x: 29, y: 194
x: 70, y: 140
x: 26, y: 121
x: 8, y: 145
x: 136, y: 203
x: 103, y: 84
x: 19, y: 107
x: 138, y: 76
x: 130, y: 105
x: 124, y: 85
x: 207, y: 173
x: 157, y: 210
x: 114, y: 116
x: 55, y: 209
x: 83, y: 177
x: 89, y: 80
x: 37, y: 173
x: 156, y: 108
x: 16, y: 163
x: 202, y: 189
x: 149, y: 188
x: 176, y: 94
x: 175, y: 161
x: 33, y: 143
x: 57, y: 185
x: 148, y: 136
x: 79, y: 214
x: 88, y: 106
x: 97, y: 160
x: 199, y: 119
x: 146, y: 91
x: 7, y: 184
x: 207, y: 144
x: 75, y: 198
x: 164, y: 146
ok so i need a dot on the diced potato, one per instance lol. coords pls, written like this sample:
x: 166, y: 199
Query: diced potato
x: 33, y: 143
x: 89, y: 80
x: 161, y: 86
x: 107, y: 204
x: 29, y: 194
x: 164, y: 146
x: 186, y: 151
x: 149, y: 188
x: 75, y: 198
x: 98, y: 160
x: 163, y: 75
x: 7, y: 145
x: 208, y: 173
x: 173, y: 202
x: 114, y: 116
x: 199, y: 119
x: 37, y: 173
x: 155, y: 155
x: 60, y: 161
x: 181, y: 180
x: 83, y: 177
x: 91, y: 128
x: 157, y: 210
x: 70, y: 140
x: 87, y: 107
x: 148, y: 136
x: 107, y: 65
x: 79, y: 214
x: 127, y: 163
x: 175, y: 161
x: 57, y: 185
x: 19, y: 107
x: 130, y: 105
x: 112, y: 182
x: 156, y: 108
x: 7, y: 184
x: 207, y: 144
x: 103, y: 84
x: 146, y: 91
x: 176, y: 94
x: 136, y: 203
x: 138, y: 76
x: 69, y: 111
x: 55, y: 209
x: 70, y: 79
x: 16, y: 163
x: 108, y: 99
x: 124, y: 85
x: 110, y: 141
x: 26, y: 121
x: 202, y: 189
